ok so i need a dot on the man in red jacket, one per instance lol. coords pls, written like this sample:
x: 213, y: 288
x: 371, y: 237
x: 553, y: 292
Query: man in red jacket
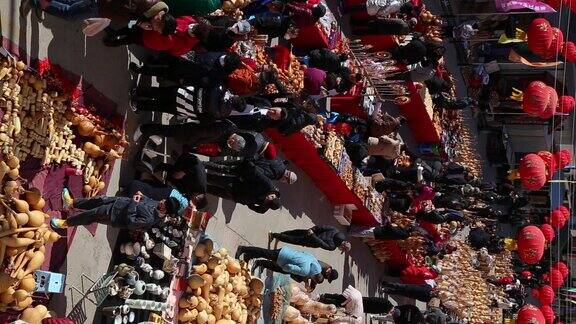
x: 172, y: 35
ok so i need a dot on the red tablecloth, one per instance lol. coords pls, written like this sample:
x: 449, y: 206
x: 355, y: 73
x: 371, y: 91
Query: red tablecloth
x: 303, y: 154
x: 349, y: 103
x: 419, y: 121
x: 309, y: 38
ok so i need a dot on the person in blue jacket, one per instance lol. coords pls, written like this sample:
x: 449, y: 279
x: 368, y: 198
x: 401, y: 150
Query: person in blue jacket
x: 302, y: 266
x: 137, y: 212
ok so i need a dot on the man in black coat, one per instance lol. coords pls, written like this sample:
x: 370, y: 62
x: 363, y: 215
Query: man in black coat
x: 272, y: 24
x: 251, y: 187
x: 287, y: 118
x: 274, y: 169
x: 440, y: 215
x: 325, y: 237
x: 134, y: 213
x: 207, y: 69
x: 191, y: 134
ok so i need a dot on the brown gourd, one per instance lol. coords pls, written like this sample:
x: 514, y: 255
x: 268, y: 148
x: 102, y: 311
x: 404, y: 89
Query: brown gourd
x: 27, y: 283
x: 16, y: 241
x: 34, y: 264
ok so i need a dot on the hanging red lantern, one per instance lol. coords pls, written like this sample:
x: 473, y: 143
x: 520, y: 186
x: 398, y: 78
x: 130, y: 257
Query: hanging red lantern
x: 530, y: 314
x: 562, y: 267
x: 546, y: 295
x: 557, y: 219
x: 535, y: 98
x: 551, y: 106
x: 569, y: 51
x: 548, y: 313
x: 532, y: 172
x: 531, y: 243
x: 549, y: 161
x: 555, y: 278
x: 566, y: 104
x: 539, y: 36
x: 564, y: 211
x: 548, y: 232
x: 563, y: 158
x: 556, y: 45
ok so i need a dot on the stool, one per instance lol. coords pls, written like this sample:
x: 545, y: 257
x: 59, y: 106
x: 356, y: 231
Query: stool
x: 49, y: 282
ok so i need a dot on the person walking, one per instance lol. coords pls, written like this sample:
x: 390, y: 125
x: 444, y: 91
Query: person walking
x: 423, y: 293
x: 251, y: 187
x: 134, y: 213
x: 325, y: 237
x: 301, y: 265
x: 440, y: 215
x: 389, y: 231
x: 274, y: 169
x: 197, y: 104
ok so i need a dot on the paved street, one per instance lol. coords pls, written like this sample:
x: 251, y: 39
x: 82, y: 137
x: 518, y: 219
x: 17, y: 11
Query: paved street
x: 106, y: 69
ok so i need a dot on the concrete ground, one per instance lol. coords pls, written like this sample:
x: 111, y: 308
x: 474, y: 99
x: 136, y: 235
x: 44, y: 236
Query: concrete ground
x: 232, y: 225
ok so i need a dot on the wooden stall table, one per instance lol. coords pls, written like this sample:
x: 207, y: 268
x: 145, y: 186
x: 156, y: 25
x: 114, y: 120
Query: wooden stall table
x: 420, y: 117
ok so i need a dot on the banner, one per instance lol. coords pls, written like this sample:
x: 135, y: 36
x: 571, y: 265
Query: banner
x: 534, y: 5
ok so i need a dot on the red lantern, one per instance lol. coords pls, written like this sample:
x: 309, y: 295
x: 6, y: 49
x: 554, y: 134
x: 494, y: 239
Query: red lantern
x: 539, y: 36
x: 557, y: 219
x: 563, y: 158
x: 530, y: 242
x: 555, y: 278
x: 530, y: 314
x: 549, y: 161
x: 556, y: 44
x: 566, y: 104
x: 536, y: 97
x: 551, y: 106
x: 570, y: 51
x: 564, y: 211
x: 562, y: 267
x: 548, y: 232
x: 548, y: 313
x: 546, y: 295
x: 532, y: 172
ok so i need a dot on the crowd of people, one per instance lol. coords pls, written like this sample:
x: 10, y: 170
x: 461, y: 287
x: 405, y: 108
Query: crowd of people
x: 223, y: 105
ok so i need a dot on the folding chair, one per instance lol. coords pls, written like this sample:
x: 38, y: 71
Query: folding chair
x: 99, y: 289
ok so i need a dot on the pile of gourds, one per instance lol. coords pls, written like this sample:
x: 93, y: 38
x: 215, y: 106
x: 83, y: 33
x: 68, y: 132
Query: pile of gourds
x: 292, y: 78
x: 23, y: 236
x: 470, y: 302
x: 221, y: 290
x: 301, y: 304
x: 33, y: 123
x: 39, y: 123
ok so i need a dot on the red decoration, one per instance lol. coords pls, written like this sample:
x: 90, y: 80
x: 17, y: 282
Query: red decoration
x: 546, y: 295
x: 417, y: 275
x: 540, y: 36
x: 556, y: 45
x: 551, y: 106
x: 555, y: 278
x: 526, y: 274
x: 557, y: 219
x: 564, y: 211
x: 530, y: 242
x: 530, y: 314
x: 563, y: 158
x: 566, y: 104
x: 548, y: 313
x: 549, y: 161
x: 532, y: 172
x: 548, y: 232
x: 569, y: 51
x: 562, y: 267
x: 535, y: 98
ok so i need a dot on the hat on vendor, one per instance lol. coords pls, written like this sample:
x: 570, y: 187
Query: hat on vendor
x: 155, y: 9
x: 290, y: 177
x: 241, y: 27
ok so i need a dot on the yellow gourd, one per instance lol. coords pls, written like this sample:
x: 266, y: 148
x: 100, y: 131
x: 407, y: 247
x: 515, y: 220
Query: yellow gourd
x: 7, y: 297
x: 13, y: 162
x: 36, y: 218
x: 31, y: 316
x: 27, y: 283
x: 92, y: 150
x: 34, y: 264
x: 202, y: 317
x: 213, y: 262
x: 21, y: 205
x: 14, y: 174
x: 24, y: 303
x: 211, y: 319
x: 16, y: 242
x: 195, y: 281
x: 21, y: 294
x: 33, y: 196
x: 4, y: 168
x: 225, y: 321
x: 39, y: 205
x: 21, y: 218
x: 233, y: 266
x: 200, y: 269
